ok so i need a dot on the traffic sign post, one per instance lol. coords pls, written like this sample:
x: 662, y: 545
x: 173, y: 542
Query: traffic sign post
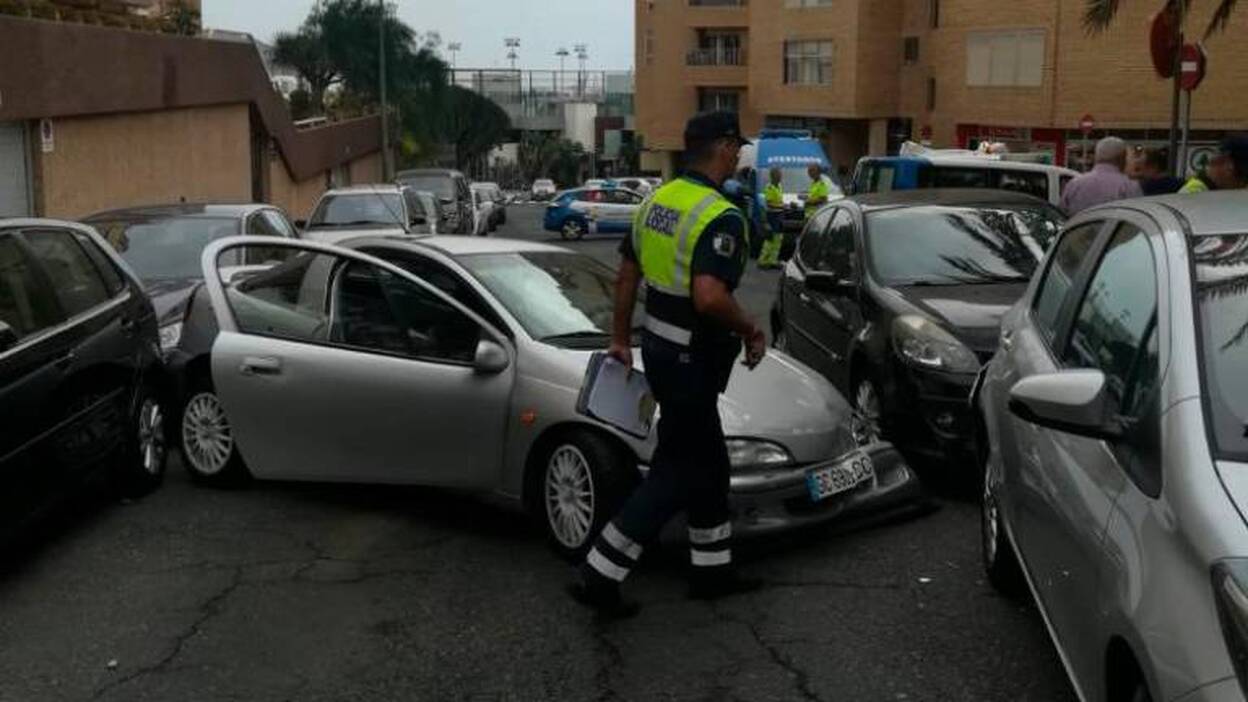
x: 1086, y: 124
x: 1193, y: 64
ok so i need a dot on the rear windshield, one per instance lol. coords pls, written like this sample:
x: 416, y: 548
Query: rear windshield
x: 165, y: 249
x: 1222, y: 301
x: 363, y: 210
x: 440, y: 185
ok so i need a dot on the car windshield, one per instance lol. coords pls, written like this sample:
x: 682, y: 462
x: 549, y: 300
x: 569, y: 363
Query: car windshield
x: 366, y: 209
x: 440, y: 185
x: 941, y: 245
x: 1222, y: 298
x: 561, y: 298
x: 165, y: 249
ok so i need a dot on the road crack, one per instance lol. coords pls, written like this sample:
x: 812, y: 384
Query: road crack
x: 799, y: 676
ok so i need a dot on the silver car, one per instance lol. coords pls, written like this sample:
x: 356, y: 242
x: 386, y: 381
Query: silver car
x: 1116, y: 476
x: 457, y: 361
x: 359, y: 210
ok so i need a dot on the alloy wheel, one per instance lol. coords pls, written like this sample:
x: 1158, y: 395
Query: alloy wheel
x: 151, y: 427
x: 570, y: 499
x: 572, y: 230
x: 865, y: 423
x: 206, y: 434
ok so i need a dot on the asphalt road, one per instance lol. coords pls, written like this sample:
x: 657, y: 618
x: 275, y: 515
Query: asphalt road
x: 313, y: 592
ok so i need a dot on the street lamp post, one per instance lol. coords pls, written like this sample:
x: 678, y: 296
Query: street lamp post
x: 513, y: 46
x: 385, y: 109
x: 563, y: 54
x: 582, y: 54
x: 454, y: 48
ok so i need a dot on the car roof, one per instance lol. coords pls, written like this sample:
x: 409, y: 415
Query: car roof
x: 373, y: 189
x: 448, y: 172
x: 37, y: 222
x: 180, y: 210
x: 941, y: 197
x: 1207, y: 214
x: 455, y: 246
x: 975, y: 162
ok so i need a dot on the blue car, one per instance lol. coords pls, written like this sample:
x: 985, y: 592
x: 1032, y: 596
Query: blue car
x: 595, y: 210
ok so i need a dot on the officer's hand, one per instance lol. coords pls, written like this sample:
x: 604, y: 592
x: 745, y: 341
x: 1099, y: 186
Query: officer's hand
x: 622, y: 353
x: 755, y: 348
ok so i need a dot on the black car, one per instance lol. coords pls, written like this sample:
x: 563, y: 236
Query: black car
x: 163, y: 245
x: 452, y: 189
x: 80, y: 393
x: 897, y: 299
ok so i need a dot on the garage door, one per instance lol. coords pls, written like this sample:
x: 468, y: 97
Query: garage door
x: 14, y: 174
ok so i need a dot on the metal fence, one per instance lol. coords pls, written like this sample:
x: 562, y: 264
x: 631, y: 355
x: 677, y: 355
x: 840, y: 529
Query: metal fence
x: 529, y: 95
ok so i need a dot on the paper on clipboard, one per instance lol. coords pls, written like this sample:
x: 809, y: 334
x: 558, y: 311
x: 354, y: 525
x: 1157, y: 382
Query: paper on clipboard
x: 617, y: 395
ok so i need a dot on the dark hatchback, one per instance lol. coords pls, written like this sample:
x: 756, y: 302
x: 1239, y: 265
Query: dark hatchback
x: 80, y: 392
x: 897, y: 298
x: 163, y: 246
x: 453, y: 192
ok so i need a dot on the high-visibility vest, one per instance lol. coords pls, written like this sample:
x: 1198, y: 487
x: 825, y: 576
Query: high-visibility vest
x: 774, y: 196
x: 817, y: 197
x: 1194, y: 185
x: 667, y: 229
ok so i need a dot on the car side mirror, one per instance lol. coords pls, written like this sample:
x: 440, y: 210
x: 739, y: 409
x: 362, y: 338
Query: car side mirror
x: 830, y: 283
x: 1071, y: 401
x: 8, y: 337
x: 490, y: 358
x: 301, y: 224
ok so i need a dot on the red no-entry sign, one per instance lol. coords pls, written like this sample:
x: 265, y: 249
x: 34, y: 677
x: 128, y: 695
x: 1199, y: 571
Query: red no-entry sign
x: 1192, y: 66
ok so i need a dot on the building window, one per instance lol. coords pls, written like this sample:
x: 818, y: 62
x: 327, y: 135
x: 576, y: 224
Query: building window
x: 807, y: 3
x: 910, y: 50
x: 933, y: 13
x: 718, y: 48
x: 710, y: 100
x: 648, y: 42
x: 1005, y: 59
x: 808, y: 62
x: 931, y: 94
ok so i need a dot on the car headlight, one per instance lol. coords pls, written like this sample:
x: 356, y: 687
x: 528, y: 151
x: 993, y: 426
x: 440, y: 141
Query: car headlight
x: 1230, y: 593
x: 751, y: 453
x: 170, y: 336
x: 924, y: 344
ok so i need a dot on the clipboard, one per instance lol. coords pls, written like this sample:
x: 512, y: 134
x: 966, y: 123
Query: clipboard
x: 618, y: 396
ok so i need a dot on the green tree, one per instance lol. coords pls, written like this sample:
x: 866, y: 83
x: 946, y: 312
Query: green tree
x: 1099, y: 14
x: 472, y: 124
x: 307, y: 52
x: 352, y: 39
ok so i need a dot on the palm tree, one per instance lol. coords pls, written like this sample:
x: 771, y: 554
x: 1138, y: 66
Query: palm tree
x: 1099, y: 14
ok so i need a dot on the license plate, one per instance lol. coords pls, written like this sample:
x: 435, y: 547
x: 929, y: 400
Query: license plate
x: 823, y: 483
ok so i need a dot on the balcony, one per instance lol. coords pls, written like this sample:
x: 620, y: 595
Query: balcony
x: 716, y: 57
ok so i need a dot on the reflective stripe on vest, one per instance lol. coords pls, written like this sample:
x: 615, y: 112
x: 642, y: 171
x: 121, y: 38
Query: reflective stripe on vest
x: 667, y: 230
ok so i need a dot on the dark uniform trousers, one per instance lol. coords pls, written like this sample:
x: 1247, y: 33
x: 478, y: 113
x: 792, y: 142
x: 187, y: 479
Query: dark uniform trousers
x: 689, y: 470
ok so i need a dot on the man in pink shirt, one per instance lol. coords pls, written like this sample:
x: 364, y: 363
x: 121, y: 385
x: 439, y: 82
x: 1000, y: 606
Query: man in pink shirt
x: 1106, y: 182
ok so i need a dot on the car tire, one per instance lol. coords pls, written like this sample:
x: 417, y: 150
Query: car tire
x: 582, y: 481
x: 142, y: 466
x: 867, y: 422
x: 1000, y: 562
x: 780, y: 342
x: 572, y: 230
x: 207, y: 442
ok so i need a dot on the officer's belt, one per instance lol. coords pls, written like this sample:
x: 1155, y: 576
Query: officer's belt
x: 669, y: 332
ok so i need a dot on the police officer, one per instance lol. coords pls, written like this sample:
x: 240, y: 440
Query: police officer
x: 689, y: 245
x: 773, y: 194
x: 819, y: 191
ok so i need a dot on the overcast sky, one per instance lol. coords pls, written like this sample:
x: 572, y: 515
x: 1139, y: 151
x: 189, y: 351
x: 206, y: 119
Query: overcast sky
x: 543, y: 26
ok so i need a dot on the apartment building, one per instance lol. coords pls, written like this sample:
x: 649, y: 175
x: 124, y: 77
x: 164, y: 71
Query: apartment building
x: 865, y: 75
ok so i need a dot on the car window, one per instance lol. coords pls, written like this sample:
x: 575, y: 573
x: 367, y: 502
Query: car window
x: 104, y: 265
x: 810, y: 246
x: 1055, y: 289
x: 257, y: 225
x: 948, y: 177
x: 835, y: 254
x: 279, y: 223
x: 165, y: 249
x: 377, y: 310
x: 288, y: 300
x: 440, y: 277
x: 1221, y: 267
x: 622, y: 197
x: 877, y: 178
x: 1116, y: 326
x: 358, y: 209
x: 1034, y: 183
x: 415, y: 208
x: 27, y: 304
x: 77, y: 283
x: 442, y: 186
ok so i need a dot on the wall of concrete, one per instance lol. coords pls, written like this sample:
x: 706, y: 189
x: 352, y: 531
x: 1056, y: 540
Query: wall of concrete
x: 104, y: 162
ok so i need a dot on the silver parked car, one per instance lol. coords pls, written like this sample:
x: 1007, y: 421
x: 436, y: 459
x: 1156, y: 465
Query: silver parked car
x: 457, y: 361
x: 361, y: 210
x: 1116, y: 476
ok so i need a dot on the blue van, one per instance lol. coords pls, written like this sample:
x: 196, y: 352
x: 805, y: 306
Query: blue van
x: 792, y: 151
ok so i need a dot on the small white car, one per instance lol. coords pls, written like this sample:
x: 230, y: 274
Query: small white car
x: 360, y: 210
x: 543, y: 189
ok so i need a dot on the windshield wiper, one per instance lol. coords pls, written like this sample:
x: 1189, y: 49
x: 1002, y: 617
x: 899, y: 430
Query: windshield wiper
x: 357, y: 223
x: 572, y: 336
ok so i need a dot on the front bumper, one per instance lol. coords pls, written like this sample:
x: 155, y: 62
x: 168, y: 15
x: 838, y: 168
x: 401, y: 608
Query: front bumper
x: 775, y: 501
x: 929, y: 412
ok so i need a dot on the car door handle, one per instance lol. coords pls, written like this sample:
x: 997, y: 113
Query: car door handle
x: 64, y: 362
x: 803, y: 297
x: 260, y: 365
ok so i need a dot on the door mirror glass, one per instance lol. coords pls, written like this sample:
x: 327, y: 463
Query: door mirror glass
x: 1073, y: 401
x: 491, y: 357
x: 8, y: 337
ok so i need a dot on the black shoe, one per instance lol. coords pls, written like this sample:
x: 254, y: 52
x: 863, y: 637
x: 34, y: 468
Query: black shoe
x: 607, y: 602
x: 704, y: 588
